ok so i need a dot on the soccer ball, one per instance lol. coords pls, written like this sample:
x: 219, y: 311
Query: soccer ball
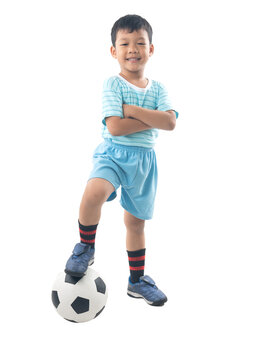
x: 79, y: 299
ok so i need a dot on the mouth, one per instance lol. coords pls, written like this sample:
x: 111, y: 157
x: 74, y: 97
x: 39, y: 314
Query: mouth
x: 133, y: 59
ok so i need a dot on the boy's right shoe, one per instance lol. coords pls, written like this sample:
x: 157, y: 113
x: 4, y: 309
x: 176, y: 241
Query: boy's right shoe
x: 82, y: 256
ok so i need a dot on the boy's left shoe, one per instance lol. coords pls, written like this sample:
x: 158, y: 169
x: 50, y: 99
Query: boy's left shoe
x: 147, y: 290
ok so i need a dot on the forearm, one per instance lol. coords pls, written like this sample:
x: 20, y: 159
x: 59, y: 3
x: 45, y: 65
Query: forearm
x: 125, y: 126
x: 157, y: 119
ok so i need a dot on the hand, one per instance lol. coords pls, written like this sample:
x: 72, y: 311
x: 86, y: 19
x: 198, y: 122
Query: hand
x: 127, y: 110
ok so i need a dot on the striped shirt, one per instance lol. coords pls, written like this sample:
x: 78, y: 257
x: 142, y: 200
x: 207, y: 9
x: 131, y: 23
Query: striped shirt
x: 118, y: 91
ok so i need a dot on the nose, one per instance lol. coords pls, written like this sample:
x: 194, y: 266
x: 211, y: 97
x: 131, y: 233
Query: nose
x: 132, y: 49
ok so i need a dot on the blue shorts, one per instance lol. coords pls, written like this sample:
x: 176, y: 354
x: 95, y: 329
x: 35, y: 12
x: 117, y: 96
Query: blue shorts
x: 133, y: 168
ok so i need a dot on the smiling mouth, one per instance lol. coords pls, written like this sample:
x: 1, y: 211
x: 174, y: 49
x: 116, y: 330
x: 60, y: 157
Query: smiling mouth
x: 133, y: 59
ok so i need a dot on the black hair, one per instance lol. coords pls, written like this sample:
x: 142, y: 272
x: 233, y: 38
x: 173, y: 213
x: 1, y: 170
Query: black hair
x: 131, y: 23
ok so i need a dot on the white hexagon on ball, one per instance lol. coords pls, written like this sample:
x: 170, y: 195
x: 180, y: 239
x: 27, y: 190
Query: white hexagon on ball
x: 79, y: 299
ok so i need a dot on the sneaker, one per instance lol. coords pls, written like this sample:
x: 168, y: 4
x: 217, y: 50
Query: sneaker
x: 147, y: 290
x: 81, y: 258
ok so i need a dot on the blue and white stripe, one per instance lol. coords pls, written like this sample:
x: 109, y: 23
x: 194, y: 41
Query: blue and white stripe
x: 118, y: 91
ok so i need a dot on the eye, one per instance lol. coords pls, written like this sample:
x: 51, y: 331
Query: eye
x: 141, y: 44
x: 123, y: 44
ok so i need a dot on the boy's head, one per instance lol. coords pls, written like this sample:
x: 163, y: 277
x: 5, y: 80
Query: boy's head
x: 132, y: 44
x: 131, y: 23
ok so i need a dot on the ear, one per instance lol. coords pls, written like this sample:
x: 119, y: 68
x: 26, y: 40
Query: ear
x: 151, y: 49
x: 113, y: 52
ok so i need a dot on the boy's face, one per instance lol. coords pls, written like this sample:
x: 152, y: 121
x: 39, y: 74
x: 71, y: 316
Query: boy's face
x: 132, y: 50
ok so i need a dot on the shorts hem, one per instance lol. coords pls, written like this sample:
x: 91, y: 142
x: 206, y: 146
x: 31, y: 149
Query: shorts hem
x: 135, y: 213
x: 104, y: 178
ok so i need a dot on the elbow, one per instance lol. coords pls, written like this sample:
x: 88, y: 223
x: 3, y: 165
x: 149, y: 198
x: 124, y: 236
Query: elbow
x: 113, y: 130
x: 171, y: 123
x: 112, y: 126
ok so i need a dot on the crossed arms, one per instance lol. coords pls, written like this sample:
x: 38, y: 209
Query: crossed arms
x: 137, y: 119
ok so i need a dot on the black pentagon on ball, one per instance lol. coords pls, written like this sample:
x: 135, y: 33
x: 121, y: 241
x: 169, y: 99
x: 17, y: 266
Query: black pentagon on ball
x: 55, y: 298
x: 101, y: 287
x: 80, y: 305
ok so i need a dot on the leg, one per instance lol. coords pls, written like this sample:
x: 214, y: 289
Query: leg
x: 135, y: 242
x: 96, y: 193
x: 140, y: 286
x: 135, y: 237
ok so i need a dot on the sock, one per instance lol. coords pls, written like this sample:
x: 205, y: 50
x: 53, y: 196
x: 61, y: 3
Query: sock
x: 136, y: 264
x: 88, y: 234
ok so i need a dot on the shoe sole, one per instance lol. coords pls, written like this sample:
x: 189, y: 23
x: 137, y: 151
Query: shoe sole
x: 138, y: 296
x: 78, y: 274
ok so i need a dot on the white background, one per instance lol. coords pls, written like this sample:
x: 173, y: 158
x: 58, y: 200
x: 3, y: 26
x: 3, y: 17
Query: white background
x: 54, y: 58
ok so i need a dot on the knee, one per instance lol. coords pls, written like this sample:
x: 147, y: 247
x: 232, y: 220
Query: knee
x: 94, y: 195
x: 93, y: 198
x: 134, y: 224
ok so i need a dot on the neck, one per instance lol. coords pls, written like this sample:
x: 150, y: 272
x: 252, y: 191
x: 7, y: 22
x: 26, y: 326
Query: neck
x: 133, y: 76
x: 135, y: 79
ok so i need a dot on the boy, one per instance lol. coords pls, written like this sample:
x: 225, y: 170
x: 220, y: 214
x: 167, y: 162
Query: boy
x: 134, y: 107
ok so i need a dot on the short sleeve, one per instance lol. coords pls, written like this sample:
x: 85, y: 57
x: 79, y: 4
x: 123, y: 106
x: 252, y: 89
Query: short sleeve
x: 164, y: 103
x: 111, y: 99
